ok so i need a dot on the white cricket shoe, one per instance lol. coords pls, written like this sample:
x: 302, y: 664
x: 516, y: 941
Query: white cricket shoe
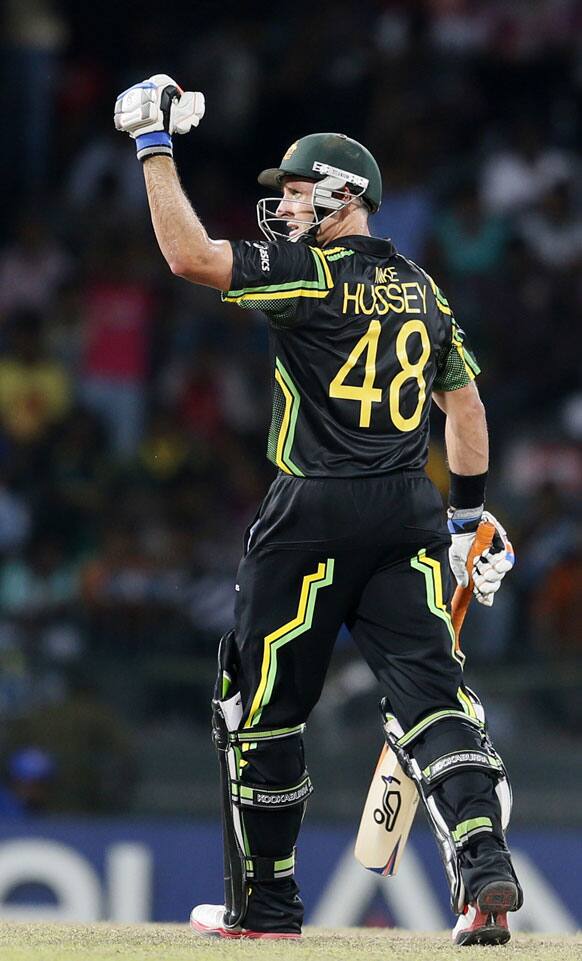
x: 208, y: 919
x: 485, y: 920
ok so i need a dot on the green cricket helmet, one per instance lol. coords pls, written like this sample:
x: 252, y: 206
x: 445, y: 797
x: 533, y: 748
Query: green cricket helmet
x: 333, y: 161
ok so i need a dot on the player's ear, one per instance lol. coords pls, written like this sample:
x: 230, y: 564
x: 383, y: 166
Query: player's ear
x: 344, y: 194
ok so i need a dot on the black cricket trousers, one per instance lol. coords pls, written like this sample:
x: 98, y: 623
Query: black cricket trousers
x: 367, y: 552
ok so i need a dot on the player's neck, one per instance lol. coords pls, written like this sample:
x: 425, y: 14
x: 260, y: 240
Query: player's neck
x: 354, y: 224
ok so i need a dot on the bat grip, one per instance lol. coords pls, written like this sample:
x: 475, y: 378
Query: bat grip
x: 462, y: 596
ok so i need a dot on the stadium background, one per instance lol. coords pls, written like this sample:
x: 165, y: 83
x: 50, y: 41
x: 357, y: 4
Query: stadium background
x: 134, y: 407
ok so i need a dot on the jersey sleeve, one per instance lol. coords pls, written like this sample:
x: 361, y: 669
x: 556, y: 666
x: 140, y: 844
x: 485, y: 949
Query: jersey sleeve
x: 280, y: 279
x: 456, y: 365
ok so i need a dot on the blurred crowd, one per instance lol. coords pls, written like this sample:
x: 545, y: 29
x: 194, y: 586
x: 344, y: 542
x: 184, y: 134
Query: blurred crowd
x: 134, y: 407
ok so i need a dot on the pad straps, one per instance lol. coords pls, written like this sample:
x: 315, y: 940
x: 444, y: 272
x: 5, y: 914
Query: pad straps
x: 269, y: 798
x: 455, y: 761
x: 420, y: 729
x: 269, y: 869
x: 477, y: 756
x: 254, y: 735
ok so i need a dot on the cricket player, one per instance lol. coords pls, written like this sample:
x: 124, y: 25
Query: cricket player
x: 351, y: 530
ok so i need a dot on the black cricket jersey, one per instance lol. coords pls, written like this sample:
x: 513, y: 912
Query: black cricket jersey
x: 360, y: 336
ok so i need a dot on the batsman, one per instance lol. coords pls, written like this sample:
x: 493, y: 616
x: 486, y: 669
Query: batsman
x: 351, y: 530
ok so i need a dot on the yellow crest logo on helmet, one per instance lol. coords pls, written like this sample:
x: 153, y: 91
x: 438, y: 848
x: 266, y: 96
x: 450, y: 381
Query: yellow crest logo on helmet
x: 291, y: 150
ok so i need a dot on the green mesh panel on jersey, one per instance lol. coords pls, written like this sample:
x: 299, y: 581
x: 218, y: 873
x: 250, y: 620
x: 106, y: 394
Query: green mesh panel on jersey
x: 284, y: 316
x: 286, y: 401
x: 460, y: 366
x: 276, y: 422
x: 281, y: 312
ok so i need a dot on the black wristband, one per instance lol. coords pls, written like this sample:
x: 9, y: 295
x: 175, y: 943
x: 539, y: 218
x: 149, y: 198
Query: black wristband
x: 467, y: 490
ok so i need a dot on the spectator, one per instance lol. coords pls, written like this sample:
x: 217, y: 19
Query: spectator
x: 102, y: 179
x: 34, y: 35
x: 557, y: 607
x: 15, y: 514
x: 472, y: 241
x: 460, y: 27
x: 553, y: 231
x: 43, y: 584
x: 118, y: 306
x: 33, y: 268
x: 556, y: 620
x: 407, y: 206
x: 90, y: 746
x: 35, y: 393
x: 30, y: 774
x: 76, y: 478
x: 227, y: 57
x: 199, y: 402
x: 165, y: 456
x: 517, y: 176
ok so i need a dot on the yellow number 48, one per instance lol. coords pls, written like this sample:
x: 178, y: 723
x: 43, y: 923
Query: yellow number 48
x: 368, y: 394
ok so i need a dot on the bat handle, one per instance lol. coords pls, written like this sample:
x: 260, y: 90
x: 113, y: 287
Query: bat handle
x: 462, y: 596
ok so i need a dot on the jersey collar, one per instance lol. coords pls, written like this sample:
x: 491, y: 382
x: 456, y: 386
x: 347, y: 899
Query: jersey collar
x: 373, y: 246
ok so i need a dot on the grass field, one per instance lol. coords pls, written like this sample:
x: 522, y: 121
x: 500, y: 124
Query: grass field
x: 165, y: 942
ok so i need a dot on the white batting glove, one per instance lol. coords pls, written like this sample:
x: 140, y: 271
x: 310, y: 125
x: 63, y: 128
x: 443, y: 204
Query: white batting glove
x: 151, y: 111
x: 490, y: 567
x: 462, y: 526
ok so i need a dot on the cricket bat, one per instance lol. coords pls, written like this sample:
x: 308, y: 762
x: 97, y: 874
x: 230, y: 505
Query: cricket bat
x: 392, y: 797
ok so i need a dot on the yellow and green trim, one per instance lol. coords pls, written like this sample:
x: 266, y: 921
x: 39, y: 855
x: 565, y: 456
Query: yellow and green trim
x: 255, y: 296
x: 226, y: 683
x: 431, y: 571
x: 337, y: 253
x: 286, y: 435
x: 471, y: 366
x: 282, y: 867
x: 441, y: 301
x: 466, y: 703
x: 302, y: 622
x: 418, y: 729
x: 466, y: 829
x: 278, y: 733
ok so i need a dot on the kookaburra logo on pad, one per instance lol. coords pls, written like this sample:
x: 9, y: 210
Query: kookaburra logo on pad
x: 391, y: 804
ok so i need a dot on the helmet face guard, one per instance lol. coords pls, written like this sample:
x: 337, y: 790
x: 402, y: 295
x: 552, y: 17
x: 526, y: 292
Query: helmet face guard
x: 324, y: 203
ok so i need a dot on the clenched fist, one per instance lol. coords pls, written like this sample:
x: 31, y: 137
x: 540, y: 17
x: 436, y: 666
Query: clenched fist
x: 151, y: 111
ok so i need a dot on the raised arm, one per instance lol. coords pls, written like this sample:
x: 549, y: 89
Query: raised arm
x: 150, y: 112
x: 182, y: 238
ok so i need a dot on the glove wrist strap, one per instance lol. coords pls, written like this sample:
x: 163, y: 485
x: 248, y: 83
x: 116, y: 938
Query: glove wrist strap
x: 467, y: 491
x: 464, y: 521
x: 154, y: 144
